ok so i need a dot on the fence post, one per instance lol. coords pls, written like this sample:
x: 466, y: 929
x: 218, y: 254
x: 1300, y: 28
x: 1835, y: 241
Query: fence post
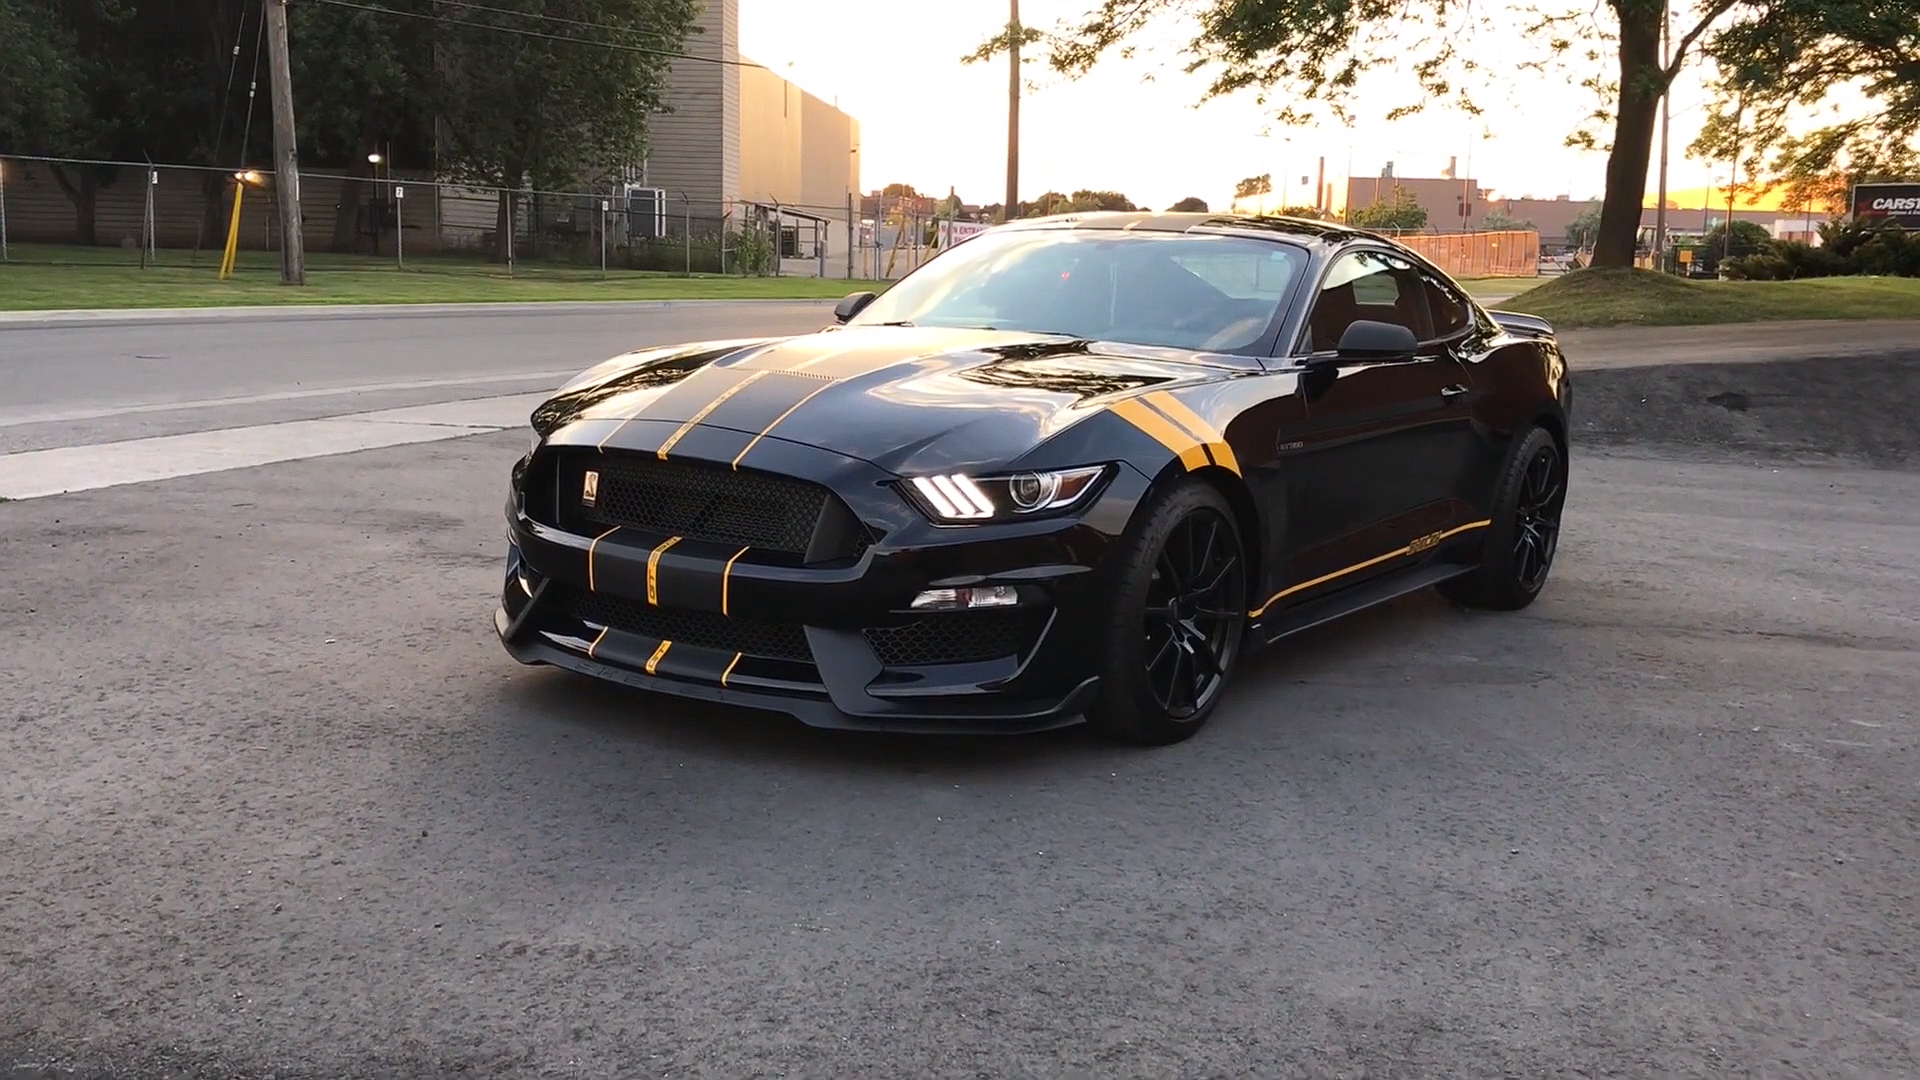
x: 686, y: 208
x: 399, y: 228
x: 513, y: 212
x: 3, y: 211
x: 852, y: 235
x: 605, y: 205
x: 146, y: 218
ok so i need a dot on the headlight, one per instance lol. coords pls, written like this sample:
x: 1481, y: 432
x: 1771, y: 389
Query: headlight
x: 956, y: 497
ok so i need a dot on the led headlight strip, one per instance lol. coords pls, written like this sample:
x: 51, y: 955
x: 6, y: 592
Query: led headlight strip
x: 954, y: 497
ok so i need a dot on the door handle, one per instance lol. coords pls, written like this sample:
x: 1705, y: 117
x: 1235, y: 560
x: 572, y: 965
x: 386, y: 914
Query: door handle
x: 1450, y: 392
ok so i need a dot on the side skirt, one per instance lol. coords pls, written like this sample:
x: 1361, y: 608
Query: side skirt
x: 1325, y: 609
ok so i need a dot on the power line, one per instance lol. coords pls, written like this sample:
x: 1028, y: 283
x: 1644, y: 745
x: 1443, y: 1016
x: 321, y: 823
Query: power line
x: 553, y: 18
x: 617, y: 47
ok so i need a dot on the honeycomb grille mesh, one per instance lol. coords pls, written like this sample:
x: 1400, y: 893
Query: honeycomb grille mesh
x: 705, y: 629
x: 955, y: 637
x: 700, y: 501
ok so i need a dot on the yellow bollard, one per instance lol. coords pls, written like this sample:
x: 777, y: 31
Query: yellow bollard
x: 233, y: 231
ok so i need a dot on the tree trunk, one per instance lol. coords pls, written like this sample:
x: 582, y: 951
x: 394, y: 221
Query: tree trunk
x: 1641, y: 80
x: 503, y: 228
x: 346, y: 212
x: 84, y: 193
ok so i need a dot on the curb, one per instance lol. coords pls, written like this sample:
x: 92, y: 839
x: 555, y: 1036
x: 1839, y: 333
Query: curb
x: 37, y: 320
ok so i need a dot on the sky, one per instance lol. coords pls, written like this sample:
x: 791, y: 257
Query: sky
x: 1138, y: 126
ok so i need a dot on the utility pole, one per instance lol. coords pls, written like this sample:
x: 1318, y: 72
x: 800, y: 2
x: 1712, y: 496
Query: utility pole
x: 286, y: 156
x: 1733, y: 181
x: 1666, y: 94
x: 1013, y: 110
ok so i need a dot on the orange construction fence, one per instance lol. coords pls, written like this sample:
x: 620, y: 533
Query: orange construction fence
x: 1479, y: 255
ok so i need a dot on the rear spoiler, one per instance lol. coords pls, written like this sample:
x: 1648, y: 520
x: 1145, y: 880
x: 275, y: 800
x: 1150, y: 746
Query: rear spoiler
x: 1514, y: 322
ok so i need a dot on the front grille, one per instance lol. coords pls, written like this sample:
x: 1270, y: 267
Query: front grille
x: 955, y: 637
x: 705, y: 629
x: 701, y: 501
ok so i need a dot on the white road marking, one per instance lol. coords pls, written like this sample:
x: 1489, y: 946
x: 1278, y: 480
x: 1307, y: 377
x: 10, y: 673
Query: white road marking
x: 36, y: 473
x: 16, y: 417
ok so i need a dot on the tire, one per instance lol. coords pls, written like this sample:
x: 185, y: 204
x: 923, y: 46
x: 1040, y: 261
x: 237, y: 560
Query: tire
x: 1525, y: 533
x: 1173, y: 632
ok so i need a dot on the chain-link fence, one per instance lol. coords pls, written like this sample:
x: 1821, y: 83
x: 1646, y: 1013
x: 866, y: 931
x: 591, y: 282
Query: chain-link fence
x: 57, y: 212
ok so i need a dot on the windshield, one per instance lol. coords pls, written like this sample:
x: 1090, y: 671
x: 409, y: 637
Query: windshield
x: 1182, y: 290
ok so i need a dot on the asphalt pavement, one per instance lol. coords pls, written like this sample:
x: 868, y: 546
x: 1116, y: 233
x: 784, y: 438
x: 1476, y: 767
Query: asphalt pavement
x: 277, y: 803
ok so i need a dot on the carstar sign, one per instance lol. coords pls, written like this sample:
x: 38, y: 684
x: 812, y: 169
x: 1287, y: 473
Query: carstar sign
x: 1894, y: 204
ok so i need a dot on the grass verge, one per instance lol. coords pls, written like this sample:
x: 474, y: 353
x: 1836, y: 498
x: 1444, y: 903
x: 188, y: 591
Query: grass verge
x: 1617, y: 297
x: 109, y: 280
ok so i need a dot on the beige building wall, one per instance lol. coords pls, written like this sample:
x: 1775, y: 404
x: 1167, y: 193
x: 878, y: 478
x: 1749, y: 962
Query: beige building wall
x: 693, y: 150
x: 795, y: 149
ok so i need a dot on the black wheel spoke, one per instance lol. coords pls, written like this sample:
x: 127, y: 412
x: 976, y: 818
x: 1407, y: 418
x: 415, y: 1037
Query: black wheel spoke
x: 1193, y: 613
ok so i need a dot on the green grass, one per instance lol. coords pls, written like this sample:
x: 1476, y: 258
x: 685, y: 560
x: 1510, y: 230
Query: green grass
x: 55, y: 278
x: 1495, y: 286
x: 1615, y: 297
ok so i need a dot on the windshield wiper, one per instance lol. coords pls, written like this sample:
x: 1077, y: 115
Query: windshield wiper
x: 902, y: 322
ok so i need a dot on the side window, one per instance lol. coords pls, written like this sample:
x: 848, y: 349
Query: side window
x: 1450, y: 313
x: 1370, y: 285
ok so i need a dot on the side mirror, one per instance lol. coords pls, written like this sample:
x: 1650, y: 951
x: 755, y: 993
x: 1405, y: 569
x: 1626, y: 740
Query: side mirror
x: 1369, y: 340
x: 851, y: 306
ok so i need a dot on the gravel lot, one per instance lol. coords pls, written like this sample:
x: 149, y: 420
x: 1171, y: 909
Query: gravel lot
x: 277, y: 804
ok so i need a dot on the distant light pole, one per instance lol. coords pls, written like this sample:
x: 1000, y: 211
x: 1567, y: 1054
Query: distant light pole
x: 1666, y: 95
x: 1013, y: 110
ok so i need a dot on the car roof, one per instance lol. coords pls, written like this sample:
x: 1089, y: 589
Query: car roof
x: 1304, y: 230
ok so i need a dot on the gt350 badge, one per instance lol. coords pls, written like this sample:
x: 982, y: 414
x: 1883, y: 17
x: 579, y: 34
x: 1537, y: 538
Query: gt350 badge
x: 590, y: 488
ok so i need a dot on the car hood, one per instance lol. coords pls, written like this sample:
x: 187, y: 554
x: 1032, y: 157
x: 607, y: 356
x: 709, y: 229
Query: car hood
x: 907, y: 399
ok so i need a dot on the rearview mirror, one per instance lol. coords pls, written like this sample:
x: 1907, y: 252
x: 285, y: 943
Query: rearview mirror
x: 1369, y: 340
x: 851, y: 306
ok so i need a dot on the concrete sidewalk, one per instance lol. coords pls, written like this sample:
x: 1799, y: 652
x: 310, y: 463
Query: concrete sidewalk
x: 312, y: 312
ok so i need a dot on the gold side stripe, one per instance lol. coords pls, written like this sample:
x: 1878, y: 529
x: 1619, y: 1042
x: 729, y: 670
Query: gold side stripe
x: 1161, y: 430
x: 1421, y: 544
x: 654, y: 660
x: 682, y: 430
x: 591, y: 545
x: 1192, y: 423
x: 755, y: 441
x: 653, y: 570
x: 729, y: 671
x: 596, y: 641
x: 726, y: 575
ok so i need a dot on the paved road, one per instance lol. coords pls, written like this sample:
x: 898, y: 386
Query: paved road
x: 276, y: 802
x: 136, y: 377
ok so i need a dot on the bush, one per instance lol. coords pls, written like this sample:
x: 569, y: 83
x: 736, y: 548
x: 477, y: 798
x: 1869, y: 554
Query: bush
x: 1849, y: 249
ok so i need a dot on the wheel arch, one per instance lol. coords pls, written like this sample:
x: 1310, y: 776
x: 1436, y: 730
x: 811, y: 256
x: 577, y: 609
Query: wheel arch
x: 1246, y: 511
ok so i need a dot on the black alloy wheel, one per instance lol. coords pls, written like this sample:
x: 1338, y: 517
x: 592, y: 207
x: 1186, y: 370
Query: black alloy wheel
x: 1179, y: 611
x: 1195, y: 606
x: 1525, y: 534
x: 1537, y: 518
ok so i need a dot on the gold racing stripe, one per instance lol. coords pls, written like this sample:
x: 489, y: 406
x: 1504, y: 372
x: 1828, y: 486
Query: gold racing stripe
x: 592, y: 544
x: 596, y: 641
x: 1162, y: 430
x: 653, y: 570
x: 694, y: 421
x: 755, y: 441
x: 725, y: 575
x: 654, y: 660
x: 1418, y: 545
x: 1192, y: 423
x: 729, y: 671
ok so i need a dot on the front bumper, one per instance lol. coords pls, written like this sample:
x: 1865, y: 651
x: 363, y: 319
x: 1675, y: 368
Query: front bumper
x: 821, y: 643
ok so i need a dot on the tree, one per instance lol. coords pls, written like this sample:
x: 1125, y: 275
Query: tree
x: 1779, y: 69
x: 522, y: 110
x: 1189, y: 205
x: 1312, y: 213
x: 1253, y: 186
x: 360, y: 83
x: 1403, y: 213
x: 1101, y: 200
x: 42, y: 105
x: 1501, y: 221
x: 1313, y: 55
x: 1584, y: 229
x: 1747, y: 239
